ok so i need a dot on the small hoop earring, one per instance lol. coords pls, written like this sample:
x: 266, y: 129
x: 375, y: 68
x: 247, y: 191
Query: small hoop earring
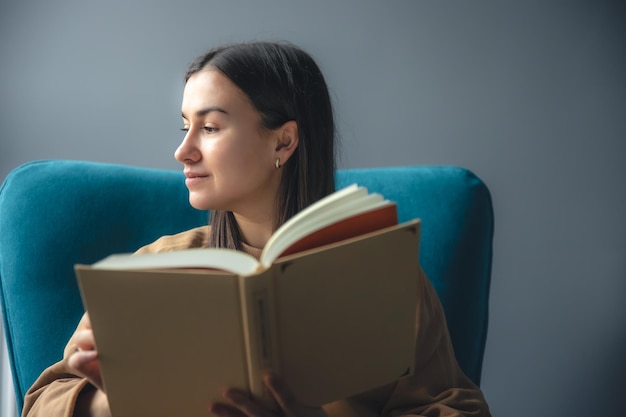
x: 277, y: 164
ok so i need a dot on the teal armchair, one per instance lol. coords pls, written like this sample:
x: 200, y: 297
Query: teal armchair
x: 54, y: 214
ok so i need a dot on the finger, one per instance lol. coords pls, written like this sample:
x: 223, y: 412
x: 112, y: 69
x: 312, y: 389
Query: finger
x: 81, y: 358
x: 246, y: 404
x: 283, y: 395
x: 85, y: 363
x: 85, y: 322
x: 84, y: 339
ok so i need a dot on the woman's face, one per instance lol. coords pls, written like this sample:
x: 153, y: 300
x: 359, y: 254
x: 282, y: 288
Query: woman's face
x: 228, y: 156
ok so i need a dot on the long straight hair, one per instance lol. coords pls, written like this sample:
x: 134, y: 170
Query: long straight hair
x: 283, y: 83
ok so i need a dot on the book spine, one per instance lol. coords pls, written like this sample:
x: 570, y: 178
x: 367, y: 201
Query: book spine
x: 260, y: 330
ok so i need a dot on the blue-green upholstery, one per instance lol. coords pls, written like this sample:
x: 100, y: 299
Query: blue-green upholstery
x: 54, y: 214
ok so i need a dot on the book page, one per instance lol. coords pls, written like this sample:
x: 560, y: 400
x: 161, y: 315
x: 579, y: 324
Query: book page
x: 221, y: 259
x: 384, y: 216
x: 342, y: 204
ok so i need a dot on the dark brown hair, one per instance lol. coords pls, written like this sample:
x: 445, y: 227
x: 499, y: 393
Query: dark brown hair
x: 283, y: 83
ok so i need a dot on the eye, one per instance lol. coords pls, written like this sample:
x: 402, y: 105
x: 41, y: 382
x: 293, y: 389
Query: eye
x: 210, y: 129
x: 184, y: 129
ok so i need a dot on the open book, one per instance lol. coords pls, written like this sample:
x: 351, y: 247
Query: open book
x: 349, y: 212
x: 330, y: 307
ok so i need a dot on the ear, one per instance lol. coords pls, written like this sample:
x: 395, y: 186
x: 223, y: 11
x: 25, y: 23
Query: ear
x: 286, y: 141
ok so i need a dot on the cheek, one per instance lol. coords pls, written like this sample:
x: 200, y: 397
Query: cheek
x: 247, y: 167
x: 238, y: 162
x: 240, y: 170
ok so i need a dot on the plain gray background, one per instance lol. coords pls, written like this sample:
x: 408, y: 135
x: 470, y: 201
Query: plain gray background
x: 529, y: 95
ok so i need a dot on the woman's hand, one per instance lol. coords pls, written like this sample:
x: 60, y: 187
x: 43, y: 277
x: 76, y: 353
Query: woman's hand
x: 241, y: 404
x: 85, y: 359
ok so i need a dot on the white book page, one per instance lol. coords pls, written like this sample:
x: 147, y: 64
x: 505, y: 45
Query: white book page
x: 318, y: 222
x: 340, y: 205
x: 222, y: 259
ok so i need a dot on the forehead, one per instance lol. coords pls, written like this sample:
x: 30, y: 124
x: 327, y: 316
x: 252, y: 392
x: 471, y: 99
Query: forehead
x: 211, y: 88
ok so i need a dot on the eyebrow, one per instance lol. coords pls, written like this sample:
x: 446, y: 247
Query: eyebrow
x: 204, y: 112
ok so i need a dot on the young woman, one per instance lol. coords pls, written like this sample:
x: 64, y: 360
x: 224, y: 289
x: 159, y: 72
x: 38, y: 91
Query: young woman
x: 258, y: 148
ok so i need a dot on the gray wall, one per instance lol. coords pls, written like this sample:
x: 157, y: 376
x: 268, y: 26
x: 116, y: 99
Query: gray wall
x: 529, y: 95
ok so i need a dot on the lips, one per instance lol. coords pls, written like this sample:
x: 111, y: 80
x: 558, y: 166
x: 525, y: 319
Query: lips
x: 193, y: 178
x: 191, y: 175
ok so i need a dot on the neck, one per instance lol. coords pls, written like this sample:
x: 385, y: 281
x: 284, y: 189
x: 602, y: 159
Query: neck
x: 255, y: 232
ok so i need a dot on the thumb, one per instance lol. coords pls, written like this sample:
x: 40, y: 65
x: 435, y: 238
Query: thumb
x: 85, y: 363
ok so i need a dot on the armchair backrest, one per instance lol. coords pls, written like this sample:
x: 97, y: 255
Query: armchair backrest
x: 54, y: 214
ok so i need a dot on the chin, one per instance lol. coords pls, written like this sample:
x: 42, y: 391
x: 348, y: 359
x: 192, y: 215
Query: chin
x: 199, y: 204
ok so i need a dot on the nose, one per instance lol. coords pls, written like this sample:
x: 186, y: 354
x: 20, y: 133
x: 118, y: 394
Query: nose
x: 188, y: 150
